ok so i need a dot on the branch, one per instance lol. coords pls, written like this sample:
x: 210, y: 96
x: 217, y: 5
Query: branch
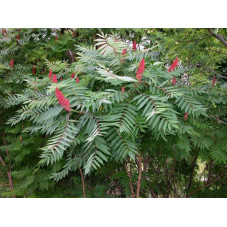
x: 207, y: 184
x: 218, y: 120
x: 1, y: 160
x: 219, y: 37
x: 210, y: 70
x: 71, y: 55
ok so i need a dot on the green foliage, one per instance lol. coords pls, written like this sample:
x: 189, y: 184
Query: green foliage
x: 107, y: 127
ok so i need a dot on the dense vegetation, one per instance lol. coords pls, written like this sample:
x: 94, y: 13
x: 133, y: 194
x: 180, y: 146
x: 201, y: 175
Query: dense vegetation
x: 113, y: 113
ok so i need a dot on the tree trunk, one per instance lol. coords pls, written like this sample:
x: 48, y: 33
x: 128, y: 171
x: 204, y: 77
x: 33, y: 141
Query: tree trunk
x: 139, y: 176
x: 192, y: 173
x: 82, y: 180
x: 9, y: 166
x: 130, y: 179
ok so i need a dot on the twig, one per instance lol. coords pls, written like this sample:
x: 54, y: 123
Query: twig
x: 219, y: 37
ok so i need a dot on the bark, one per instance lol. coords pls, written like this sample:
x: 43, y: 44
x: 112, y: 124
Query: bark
x: 82, y: 180
x: 139, y: 176
x: 130, y: 179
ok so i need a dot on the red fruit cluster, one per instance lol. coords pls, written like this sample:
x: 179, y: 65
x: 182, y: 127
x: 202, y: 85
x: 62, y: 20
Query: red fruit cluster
x: 124, y: 52
x: 174, y: 80
x: 134, y: 45
x: 62, y: 100
x: 123, y: 89
x: 4, y: 32
x: 77, y: 80
x: 50, y: 74
x: 33, y: 70
x: 11, y: 63
x: 172, y: 68
x: 54, y: 79
x: 140, y: 70
x: 73, y: 75
x: 185, y: 116
x: 174, y: 65
x: 214, y: 81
